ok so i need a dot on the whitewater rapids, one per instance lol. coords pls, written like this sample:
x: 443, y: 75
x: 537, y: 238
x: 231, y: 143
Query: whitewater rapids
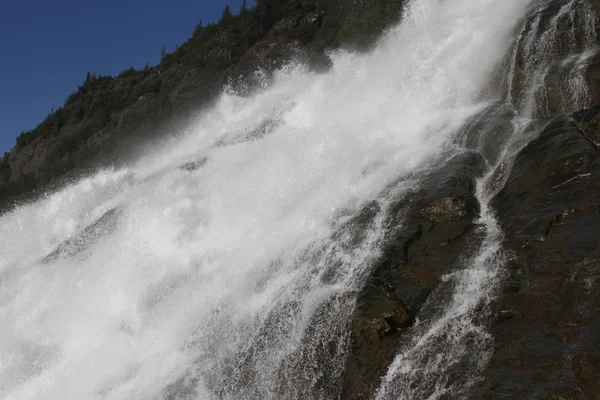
x: 207, y: 260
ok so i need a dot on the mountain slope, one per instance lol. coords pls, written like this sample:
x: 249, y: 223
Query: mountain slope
x: 107, y: 118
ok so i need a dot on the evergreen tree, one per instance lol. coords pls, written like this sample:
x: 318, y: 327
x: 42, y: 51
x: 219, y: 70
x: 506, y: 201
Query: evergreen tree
x: 226, y: 16
x: 163, y: 53
x: 198, y: 30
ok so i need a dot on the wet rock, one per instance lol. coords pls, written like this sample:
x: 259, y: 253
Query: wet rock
x: 547, y: 329
x: 353, y: 231
x: 265, y: 128
x: 589, y: 121
x: 194, y: 165
x: 592, y: 77
x: 84, y: 239
x: 571, y: 83
x: 554, y: 58
x: 489, y: 131
x: 437, y: 227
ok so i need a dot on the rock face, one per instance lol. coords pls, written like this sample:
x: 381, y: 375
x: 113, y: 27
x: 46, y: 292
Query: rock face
x: 547, y: 329
x: 545, y: 323
x: 553, y: 56
x: 545, y: 320
x: 435, y: 227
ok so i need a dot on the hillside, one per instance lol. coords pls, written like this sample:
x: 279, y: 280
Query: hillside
x: 107, y: 117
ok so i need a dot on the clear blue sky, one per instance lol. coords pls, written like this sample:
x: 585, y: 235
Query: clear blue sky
x: 47, y: 47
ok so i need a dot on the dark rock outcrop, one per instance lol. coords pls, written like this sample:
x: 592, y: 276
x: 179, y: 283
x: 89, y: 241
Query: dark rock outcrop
x: 435, y: 226
x: 589, y: 121
x: 554, y: 56
x: 547, y: 326
x: 488, y: 131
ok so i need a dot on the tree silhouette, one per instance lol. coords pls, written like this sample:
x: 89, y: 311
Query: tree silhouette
x: 198, y: 30
x: 226, y: 15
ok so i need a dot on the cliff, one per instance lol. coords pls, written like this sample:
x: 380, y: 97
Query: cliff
x: 543, y: 317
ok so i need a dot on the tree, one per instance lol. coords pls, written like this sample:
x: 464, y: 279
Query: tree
x: 163, y: 54
x: 198, y: 30
x: 244, y: 9
x: 226, y: 15
x: 268, y: 12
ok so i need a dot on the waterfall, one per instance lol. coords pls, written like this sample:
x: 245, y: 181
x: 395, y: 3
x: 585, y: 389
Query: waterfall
x: 226, y: 264
x: 544, y: 58
x: 446, y: 352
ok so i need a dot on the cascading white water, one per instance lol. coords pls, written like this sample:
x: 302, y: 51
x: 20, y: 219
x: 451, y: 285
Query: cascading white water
x: 456, y: 338
x: 455, y: 342
x: 539, y: 56
x: 228, y: 278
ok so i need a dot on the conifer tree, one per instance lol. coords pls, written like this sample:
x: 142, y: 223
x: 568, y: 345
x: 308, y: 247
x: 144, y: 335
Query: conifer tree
x: 226, y: 16
x: 198, y: 30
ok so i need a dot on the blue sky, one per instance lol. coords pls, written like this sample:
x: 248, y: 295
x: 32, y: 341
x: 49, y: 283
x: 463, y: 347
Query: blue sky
x: 47, y: 47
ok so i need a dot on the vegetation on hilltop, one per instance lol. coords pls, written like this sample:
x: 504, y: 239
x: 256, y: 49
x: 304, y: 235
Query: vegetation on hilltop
x: 357, y: 24
x: 105, y: 110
